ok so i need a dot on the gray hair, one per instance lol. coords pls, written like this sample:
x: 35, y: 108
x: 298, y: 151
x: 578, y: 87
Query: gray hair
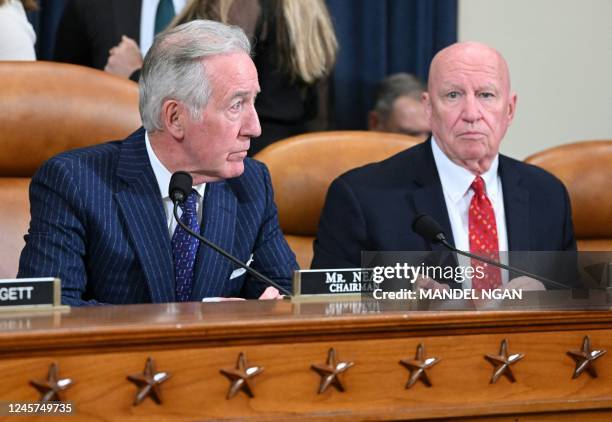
x: 394, y: 86
x: 173, y: 67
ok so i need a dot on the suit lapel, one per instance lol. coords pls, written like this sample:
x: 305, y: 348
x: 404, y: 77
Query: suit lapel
x: 219, y: 226
x: 145, y: 219
x: 428, y: 198
x: 516, y: 204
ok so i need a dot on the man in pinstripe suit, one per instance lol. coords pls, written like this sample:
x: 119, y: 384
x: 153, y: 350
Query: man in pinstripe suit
x: 101, y: 216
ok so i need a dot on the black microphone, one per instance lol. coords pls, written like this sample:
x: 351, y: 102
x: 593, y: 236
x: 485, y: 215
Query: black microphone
x: 180, y: 186
x: 430, y: 230
x: 179, y: 189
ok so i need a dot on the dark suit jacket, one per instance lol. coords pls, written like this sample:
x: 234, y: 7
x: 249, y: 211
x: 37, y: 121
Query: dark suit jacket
x: 88, y: 29
x: 98, y: 223
x: 372, y: 208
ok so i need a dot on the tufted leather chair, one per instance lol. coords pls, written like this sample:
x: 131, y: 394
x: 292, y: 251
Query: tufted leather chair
x: 585, y: 168
x: 14, y: 217
x: 47, y: 108
x: 302, y: 168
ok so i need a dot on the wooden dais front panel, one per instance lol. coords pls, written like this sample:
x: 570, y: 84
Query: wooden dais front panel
x: 99, y: 348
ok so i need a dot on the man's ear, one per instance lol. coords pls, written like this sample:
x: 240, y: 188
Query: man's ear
x: 173, y: 116
x: 512, y: 108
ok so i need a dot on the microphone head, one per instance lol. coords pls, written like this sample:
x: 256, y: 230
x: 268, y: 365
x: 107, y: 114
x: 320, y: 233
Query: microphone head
x: 180, y: 186
x: 428, y: 228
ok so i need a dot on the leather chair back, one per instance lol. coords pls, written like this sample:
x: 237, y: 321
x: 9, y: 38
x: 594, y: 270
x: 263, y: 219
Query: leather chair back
x: 48, y: 108
x: 585, y: 168
x: 302, y: 168
x: 15, y: 217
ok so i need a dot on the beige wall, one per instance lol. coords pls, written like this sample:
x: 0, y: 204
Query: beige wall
x: 560, y: 57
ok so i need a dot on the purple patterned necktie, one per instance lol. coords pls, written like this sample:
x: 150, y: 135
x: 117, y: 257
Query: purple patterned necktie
x: 184, y: 249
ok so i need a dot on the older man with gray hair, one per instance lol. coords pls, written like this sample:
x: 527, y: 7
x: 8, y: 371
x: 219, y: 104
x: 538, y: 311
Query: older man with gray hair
x: 484, y: 201
x: 102, y: 218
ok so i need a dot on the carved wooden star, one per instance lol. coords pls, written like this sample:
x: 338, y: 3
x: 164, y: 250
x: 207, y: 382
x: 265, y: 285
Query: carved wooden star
x: 148, y: 383
x: 50, y: 388
x: 331, y: 371
x: 502, y: 363
x: 585, y: 358
x: 240, y: 376
x: 417, y: 367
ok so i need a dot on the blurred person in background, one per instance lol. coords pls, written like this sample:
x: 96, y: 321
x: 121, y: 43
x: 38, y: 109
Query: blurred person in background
x: 398, y: 107
x: 17, y: 37
x: 96, y: 33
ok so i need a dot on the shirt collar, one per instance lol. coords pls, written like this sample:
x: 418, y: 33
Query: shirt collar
x: 456, y: 180
x: 163, y: 175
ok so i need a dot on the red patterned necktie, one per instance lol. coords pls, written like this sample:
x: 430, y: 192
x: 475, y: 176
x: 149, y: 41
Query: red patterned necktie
x: 483, y: 237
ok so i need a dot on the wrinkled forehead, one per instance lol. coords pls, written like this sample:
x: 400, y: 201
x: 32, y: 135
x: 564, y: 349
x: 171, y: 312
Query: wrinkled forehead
x: 234, y: 66
x: 469, y: 60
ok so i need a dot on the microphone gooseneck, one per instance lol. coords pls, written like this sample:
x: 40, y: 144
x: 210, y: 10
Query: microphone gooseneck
x: 179, y: 189
x: 430, y: 230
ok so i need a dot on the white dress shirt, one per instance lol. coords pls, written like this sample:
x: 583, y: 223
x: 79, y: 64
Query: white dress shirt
x: 17, y: 37
x: 163, y: 175
x: 147, y: 21
x: 456, y: 182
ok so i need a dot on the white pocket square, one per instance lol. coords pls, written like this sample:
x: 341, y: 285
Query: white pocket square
x: 238, y: 272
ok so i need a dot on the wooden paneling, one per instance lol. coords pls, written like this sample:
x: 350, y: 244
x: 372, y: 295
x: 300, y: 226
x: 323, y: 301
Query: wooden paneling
x: 99, y: 347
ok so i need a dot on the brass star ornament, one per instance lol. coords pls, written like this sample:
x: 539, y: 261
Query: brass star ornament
x: 502, y: 363
x: 148, y: 383
x: 240, y: 377
x: 585, y: 358
x: 418, y: 367
x: 51, y: 388
x: 331, y: 372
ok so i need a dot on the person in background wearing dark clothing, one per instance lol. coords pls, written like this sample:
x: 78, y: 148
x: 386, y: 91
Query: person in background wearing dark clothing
x: 112, y: 35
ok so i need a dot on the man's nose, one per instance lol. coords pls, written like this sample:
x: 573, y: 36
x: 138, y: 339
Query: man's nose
x: 471, y: 110
x: 251, y: 126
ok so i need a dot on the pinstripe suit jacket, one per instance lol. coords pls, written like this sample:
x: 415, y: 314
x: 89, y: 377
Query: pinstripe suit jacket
x: 98, y: 223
